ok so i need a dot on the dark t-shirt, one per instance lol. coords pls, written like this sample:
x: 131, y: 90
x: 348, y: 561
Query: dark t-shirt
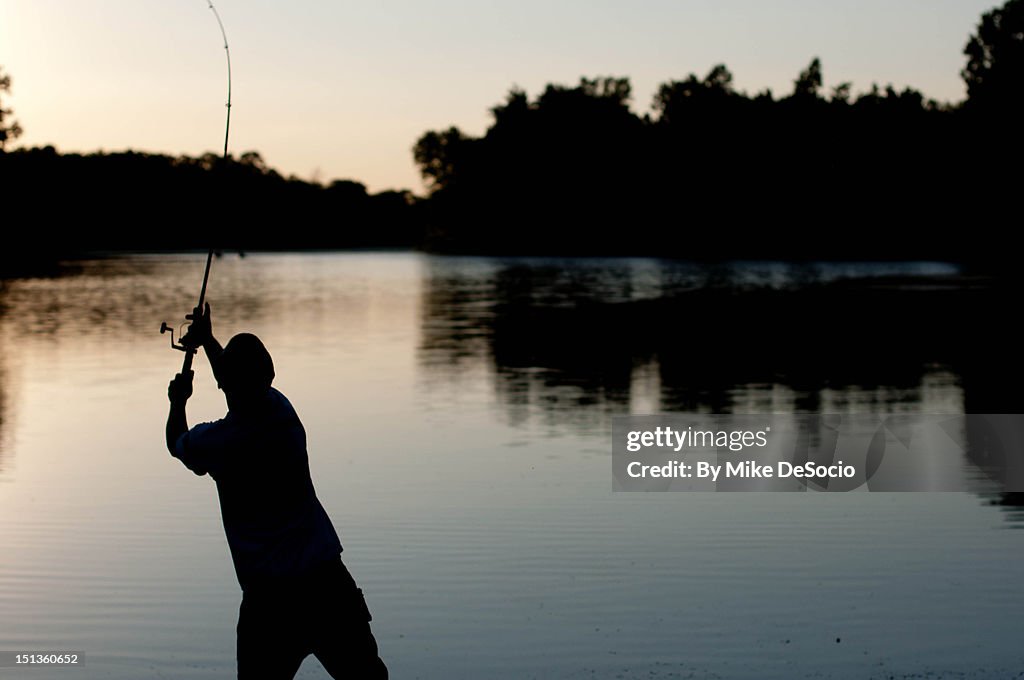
x: 275, y: 525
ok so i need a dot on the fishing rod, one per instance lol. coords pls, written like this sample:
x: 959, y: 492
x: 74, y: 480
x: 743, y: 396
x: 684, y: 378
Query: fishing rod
x: 190, y: 352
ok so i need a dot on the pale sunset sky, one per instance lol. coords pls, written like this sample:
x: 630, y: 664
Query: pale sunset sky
x: 343, y: 89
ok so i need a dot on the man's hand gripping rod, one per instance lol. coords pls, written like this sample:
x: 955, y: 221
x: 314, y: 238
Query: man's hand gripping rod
x: 190, y: 352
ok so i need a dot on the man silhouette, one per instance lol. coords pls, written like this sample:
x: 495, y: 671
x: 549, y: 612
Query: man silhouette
x: 297, y: 596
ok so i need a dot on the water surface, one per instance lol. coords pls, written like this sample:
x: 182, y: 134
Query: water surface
x: 458, y: 413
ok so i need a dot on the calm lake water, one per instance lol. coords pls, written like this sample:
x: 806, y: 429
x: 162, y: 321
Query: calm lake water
x: 458, y: 413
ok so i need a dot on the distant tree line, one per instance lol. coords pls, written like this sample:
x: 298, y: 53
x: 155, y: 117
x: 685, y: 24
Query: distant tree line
x: 138, y: 201
x: 64, y: 205
x: 708, y: 172
x: 714, y: 172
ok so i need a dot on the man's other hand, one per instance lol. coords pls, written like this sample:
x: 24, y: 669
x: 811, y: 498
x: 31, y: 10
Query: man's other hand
x: 200, y: 330
x: 180, y: 388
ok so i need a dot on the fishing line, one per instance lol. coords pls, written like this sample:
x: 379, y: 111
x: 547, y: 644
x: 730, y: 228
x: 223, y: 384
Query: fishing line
x: 227, y: 53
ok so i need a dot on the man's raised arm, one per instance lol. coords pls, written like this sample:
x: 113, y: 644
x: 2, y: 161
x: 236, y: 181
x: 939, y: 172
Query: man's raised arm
x: 200, y: 334
x: 178, y: 393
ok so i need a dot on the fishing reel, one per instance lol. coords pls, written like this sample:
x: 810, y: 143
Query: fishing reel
x: 164, y: 328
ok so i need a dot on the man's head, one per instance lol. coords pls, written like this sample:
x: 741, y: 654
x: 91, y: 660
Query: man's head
x: 245, y: 367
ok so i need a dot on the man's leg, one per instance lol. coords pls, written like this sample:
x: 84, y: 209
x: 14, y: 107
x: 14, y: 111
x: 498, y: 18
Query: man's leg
x: 269, y: 647
x: 342, y: 640
x: 353, y: 654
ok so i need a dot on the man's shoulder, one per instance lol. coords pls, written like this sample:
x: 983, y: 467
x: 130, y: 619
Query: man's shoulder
x: 211, y: 430
x: 280, y: 403
x: 210, y: 425
x: 278, y: 397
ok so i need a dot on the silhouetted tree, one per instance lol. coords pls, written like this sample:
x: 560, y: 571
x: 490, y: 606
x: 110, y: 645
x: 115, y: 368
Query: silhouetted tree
x: 841, y: 93
x: 439, y: 155
x: 676, y: 99
x: 348, y: 190
x: 566, y: 157
x: 808, y: 83
x: 253, y: 160
x: 8, y: 130
x: 995, y: 61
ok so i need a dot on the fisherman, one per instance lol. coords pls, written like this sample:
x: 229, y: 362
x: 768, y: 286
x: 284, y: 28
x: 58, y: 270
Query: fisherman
x: 298, y: 598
